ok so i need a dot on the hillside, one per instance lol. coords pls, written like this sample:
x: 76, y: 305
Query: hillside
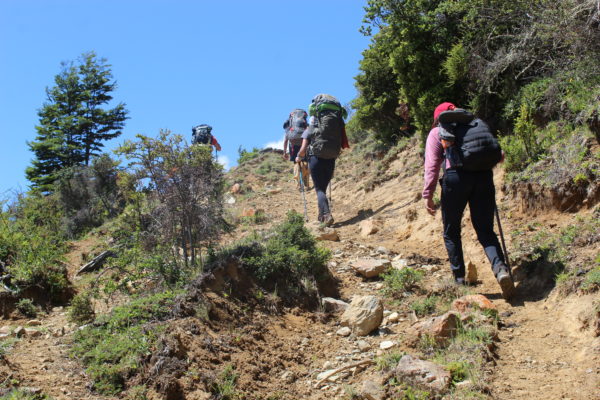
x: 230, y: 336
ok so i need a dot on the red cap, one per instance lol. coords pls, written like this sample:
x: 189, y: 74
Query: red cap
x: 441, y: 108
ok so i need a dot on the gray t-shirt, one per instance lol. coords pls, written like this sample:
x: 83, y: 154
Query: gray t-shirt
x: 312, y: 125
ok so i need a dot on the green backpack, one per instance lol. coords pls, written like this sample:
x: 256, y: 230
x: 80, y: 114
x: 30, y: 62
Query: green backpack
x: 326, y: 141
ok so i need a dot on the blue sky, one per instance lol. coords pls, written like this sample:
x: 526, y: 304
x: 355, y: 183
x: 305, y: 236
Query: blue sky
x: 238, y: 65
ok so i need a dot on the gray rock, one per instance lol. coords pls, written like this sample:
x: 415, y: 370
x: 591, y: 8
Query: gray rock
x: 323, y: 232
x: 19, y: 331
x: 34, y: 322
x: 364, y: 315
x: 393, y: 317
x: 382, y: 250
x: 370, y: 267
x: 386, y: 345
x: 423, y: 374
x: 363, y: 345
x: 344, y: 331
x: 399, y: 263
x: 32, y: 332
x: 333, y: 305
x: 372, y: 391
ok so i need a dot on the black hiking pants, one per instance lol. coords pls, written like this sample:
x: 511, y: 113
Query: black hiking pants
x: 460, y: 188
x: 321, y: 171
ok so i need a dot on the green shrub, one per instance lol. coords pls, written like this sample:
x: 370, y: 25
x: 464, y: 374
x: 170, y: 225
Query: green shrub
x: 6, y: 345
x: 425, y: 306
x: 459, y: 370
x: 32, y: 245
x: 112, y: 347
x: 18, y: 394
x: 592, y: 280
x: 388, y: 361
x: 245, y: 155
x: 224, y: 387
x: 88, y: 195
x: 81, y: 310
x: 402, y: 280
x: 27, y: 308
x: 289, y: 256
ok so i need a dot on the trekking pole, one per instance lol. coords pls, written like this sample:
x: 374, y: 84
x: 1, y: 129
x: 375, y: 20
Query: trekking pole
x: 502, y: 241
x: 303, y: 195
x: 330, y: 198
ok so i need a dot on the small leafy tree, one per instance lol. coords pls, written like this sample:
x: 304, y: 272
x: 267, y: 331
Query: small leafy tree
x: 185, y: 187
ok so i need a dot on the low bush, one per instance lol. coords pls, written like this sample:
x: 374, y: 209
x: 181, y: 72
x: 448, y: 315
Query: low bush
x: 289, y: 257
x: 398, y: 281
x: 27, y: 308
x: 245, y: 155
x: 32, y: 245
x: 112, y: 347
x: 224, y: 387
x: 424, y: 306
x: 81, y: 310
x: 18, y: 394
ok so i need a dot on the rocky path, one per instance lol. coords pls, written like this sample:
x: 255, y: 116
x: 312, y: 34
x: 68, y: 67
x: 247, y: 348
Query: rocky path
x: 40, y: 361
x: 543, y: 351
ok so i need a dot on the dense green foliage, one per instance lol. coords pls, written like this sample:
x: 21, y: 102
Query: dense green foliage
x: 245, y: 155
x: 89, y: 195
x: 520, y: 65
x: 32, y: 244
x: 73, y: 123
x: 24, y: 395
x: 113, y: 345
x: 398, y: 281
x: 290, y: 257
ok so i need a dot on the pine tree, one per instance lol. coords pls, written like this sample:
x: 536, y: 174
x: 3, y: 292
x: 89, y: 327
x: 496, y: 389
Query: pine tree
x: 73, y: 125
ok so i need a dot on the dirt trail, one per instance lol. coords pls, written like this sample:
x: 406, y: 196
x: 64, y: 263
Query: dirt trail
x: 543, y: 351
x: 542, y: 354
x: 42, y: 363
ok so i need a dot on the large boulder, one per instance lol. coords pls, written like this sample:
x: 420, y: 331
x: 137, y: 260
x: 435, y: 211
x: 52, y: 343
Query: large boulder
x: 371, y: 267
x: 364, y: 315
x: 422, y: 374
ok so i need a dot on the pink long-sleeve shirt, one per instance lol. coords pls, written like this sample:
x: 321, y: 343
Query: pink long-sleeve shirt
x: 434, y: 156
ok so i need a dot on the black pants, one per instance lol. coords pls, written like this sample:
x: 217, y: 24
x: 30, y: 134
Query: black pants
x: 460, y: 188
x: 321, y: 171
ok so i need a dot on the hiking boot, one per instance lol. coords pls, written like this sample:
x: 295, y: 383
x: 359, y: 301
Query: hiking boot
x: 328, y: 219
x: 460, y: 281
x: 506, y: 283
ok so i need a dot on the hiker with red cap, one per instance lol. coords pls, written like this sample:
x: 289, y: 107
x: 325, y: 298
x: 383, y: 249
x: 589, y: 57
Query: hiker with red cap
x: 465, y: 148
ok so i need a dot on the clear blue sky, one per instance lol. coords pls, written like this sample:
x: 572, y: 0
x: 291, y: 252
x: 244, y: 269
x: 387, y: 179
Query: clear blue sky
x: 238, y: 65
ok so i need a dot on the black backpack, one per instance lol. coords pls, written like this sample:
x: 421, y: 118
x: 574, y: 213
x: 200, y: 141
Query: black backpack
x: 201, y: 134
x: 295, y: 126
x: 476, y: 147
x: 326, y: 141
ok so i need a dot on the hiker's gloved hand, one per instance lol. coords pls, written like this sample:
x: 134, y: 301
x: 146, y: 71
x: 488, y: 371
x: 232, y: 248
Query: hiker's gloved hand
x: 430, y: 206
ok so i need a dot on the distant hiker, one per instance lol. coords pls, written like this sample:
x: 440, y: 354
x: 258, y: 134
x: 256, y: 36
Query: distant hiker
x: 201, y: 134
x: 466, y: 149
x: 294, y: 127
x: 323, y: 141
